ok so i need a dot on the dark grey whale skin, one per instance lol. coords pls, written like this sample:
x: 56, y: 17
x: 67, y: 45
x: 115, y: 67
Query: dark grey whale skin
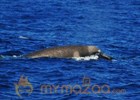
x: 67, y: 52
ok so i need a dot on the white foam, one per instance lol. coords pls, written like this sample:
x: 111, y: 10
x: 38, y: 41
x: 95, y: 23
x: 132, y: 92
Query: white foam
x: 23, y: 37
x: 114, y: 60
x: 87, y: 58
x: 14, y: 56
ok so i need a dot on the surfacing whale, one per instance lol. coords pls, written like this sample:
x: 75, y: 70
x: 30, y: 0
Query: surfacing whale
x: 68, y: 52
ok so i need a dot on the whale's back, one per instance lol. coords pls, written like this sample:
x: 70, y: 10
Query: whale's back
x: 62, y: 51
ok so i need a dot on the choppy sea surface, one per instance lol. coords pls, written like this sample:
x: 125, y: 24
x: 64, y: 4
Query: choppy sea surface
x: 29, y: 25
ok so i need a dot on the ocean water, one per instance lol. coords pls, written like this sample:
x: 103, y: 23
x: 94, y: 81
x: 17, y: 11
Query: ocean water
x: 29, y: 25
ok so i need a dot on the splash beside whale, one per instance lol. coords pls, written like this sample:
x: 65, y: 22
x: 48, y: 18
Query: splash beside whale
x: 68, y: 52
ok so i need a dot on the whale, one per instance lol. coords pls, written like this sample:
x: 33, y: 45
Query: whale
x: 68, y: 52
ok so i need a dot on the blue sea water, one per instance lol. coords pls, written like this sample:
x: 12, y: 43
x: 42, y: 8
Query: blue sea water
x: 29, y: 25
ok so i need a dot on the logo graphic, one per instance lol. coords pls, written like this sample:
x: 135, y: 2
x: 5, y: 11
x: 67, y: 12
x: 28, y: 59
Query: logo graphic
x: 23, y: 87
x: 86, y: 81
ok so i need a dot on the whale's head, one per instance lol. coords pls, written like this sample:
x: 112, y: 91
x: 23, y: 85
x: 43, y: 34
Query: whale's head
x: 93, y: 50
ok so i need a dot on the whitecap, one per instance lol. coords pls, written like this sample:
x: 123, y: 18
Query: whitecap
x: 14, y: 56
x: 23, y: 37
